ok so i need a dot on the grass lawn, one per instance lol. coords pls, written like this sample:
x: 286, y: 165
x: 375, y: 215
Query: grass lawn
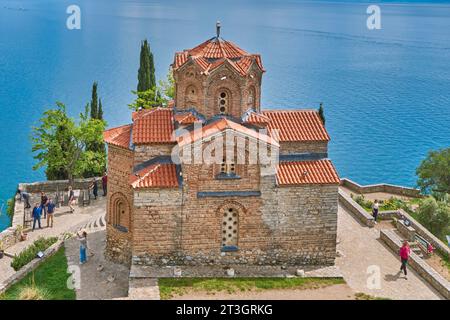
x: 363, y: 296
x: 51, y: 277
x: 170, y: 287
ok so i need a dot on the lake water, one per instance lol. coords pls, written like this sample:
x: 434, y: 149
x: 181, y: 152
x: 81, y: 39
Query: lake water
x: 386, y: 92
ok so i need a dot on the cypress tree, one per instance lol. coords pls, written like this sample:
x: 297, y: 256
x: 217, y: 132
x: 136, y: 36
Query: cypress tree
x: 146, y: 72
x: 94, y: 102
x: 321, y: 113
x: 100, y: 110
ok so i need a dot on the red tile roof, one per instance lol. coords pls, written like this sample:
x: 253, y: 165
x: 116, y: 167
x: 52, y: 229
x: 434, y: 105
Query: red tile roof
x: 306, y: 172
x: 296, y: 125
x: 219, y: 126
x: 185, y: 118
x: 153, y: 126
x: 157, y: 175
x: 256, y: 118
x: 119, y: 136
x: 215, y: 52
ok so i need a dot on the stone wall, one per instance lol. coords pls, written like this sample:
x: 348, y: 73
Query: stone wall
x: 427, y: 235
x: 418, y: 264
x: 303, y: 147
x: 290, y: 226
x: 55, y: 185
x: 358, y: 211
x: 120, y: 195
x: 387, y: 188
x: 147, y: 152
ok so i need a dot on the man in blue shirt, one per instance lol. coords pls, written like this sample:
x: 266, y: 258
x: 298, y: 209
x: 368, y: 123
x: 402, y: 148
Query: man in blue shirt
x: 37, y: 210
x: 50, y: 212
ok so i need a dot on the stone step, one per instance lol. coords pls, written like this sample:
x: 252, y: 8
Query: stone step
x: 143, y: 289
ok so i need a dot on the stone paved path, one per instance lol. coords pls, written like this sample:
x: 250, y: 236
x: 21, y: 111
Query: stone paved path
x: 63, y: 222
x: 361, y: 248
x: 100, y: 279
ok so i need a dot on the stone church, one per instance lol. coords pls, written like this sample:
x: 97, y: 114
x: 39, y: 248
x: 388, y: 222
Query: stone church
x: 167, y: 207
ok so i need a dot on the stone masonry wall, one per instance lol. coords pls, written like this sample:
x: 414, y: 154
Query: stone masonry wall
x: 291, y: 226
x: 303, y: 147
x: 143, y: 153
x: 120, y: 165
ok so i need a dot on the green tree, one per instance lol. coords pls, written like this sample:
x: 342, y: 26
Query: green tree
x: 100, y: 110
x: 167, y: 87
x: 156, y: 97
x: 94, y: 102
x: 146, y: 72
x: 147, y: 99
x: 60, y: 144
x: 434, y: 172
x: 434, y: 215
x: 321, y: 113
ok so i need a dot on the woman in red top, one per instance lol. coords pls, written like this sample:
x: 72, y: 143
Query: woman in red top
x: 405, y: 251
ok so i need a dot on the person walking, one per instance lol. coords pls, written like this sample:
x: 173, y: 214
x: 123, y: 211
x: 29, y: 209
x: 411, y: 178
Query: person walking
x: 375, y: 209
x: 71, y: 196
x: 83, y: 246
x: 37, y: 211
x: 44, y: 200
x: 105, y: 183
x: 94, y: 188
x: 50, y: 211
x: 405, y: 252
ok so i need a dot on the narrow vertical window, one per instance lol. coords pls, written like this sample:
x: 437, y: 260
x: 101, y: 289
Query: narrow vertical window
x: 230, y: 228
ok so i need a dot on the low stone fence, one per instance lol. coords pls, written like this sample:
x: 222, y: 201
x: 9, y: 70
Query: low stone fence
x: 22, y: 272
x: 352, y: 206
x: 55, y: 185
x: 424, y: 233
x: 382, y: 187
x: 421, y: 267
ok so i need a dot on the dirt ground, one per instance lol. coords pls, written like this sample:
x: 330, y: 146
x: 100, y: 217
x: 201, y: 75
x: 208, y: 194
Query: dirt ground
x: 438, y: 264
x: 334, y: 292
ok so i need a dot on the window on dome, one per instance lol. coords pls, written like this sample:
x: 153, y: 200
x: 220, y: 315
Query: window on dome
x: 223, y: 102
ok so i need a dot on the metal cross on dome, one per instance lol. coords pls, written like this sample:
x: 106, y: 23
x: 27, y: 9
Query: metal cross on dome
x: 218, y: 28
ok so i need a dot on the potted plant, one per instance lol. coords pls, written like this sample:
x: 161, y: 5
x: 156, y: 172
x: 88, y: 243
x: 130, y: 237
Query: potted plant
x: 22, y: 235
x: 2, y: 249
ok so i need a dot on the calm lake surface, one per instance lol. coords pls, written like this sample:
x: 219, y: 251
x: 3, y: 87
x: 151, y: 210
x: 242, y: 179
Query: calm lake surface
x: 386, y: 92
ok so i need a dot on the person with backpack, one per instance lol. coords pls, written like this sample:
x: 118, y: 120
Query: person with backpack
x: 50, y: 211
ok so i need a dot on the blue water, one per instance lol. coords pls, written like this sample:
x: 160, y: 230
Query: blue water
x: 386, y: 92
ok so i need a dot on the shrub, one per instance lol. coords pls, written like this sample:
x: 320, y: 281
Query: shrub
x: 10, y: 204
x: 30, y: 252
x: 32, y: 293
x: 361, y: 200
x: 435, y: 216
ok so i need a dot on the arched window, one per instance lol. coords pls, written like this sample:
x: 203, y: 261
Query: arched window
x: 191, y: 96
x: 223, y: 102
x: 230, y: 224
x: 119, y: 213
